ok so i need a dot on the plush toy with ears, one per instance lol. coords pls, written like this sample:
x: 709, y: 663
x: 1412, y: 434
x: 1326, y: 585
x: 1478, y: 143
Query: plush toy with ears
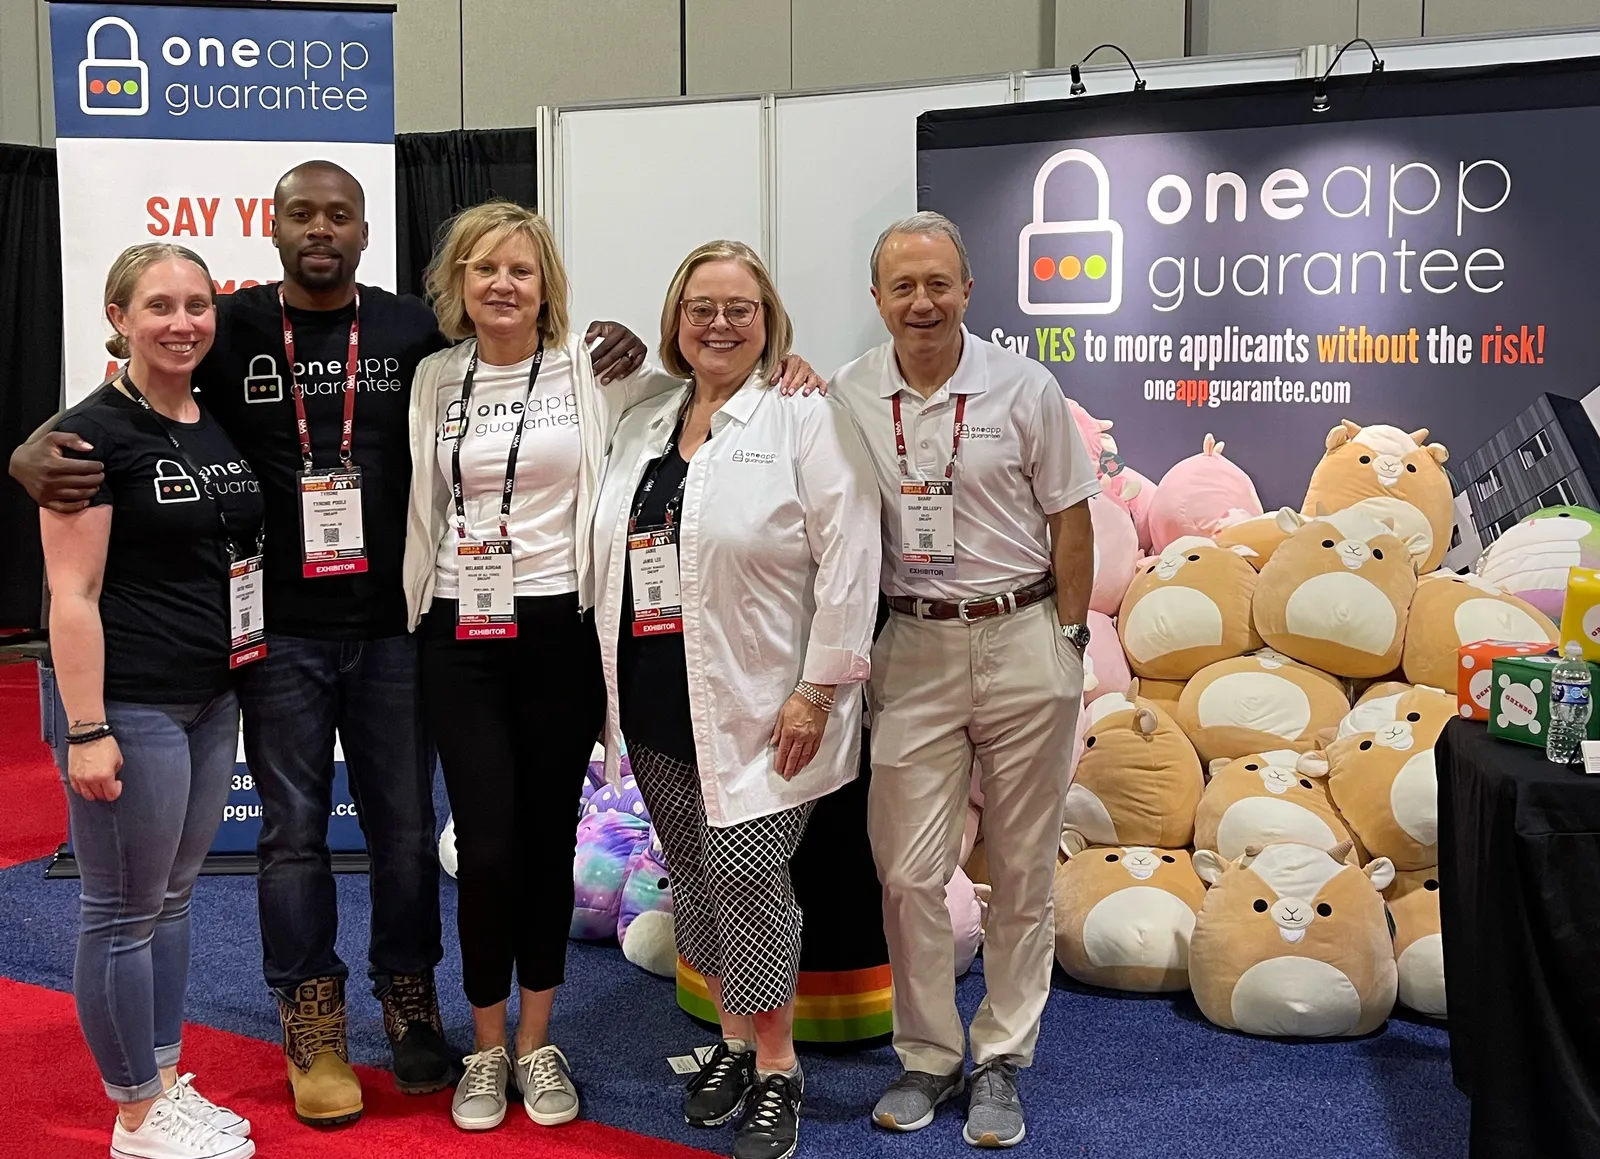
x: 1124, y: 916
x: 1120, y: 483
x: 1255, y: 538
x: 1116, y: 554
x: 1259, y: 702
x: 1418, y: 946
x: 1292, y: 940
x: 1188, y: 607
x: 1199, y: 495
x: 1450, y: 610
x: 1336, y: 593
x: 1531, y: 560
x: 1105, y: 667
x: 1138, y: 781
x: 1391, y: 475
x: 1263, y: 798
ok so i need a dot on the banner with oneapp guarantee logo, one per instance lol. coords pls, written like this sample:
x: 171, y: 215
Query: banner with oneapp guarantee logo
x: 1230, y: 261
x: 175, y: 123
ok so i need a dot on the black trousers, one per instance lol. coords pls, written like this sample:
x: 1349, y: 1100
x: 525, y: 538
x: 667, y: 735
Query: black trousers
x: 515, y: 722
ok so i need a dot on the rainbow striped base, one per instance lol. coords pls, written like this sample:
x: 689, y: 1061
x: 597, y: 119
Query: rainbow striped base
x: 830, y: 1005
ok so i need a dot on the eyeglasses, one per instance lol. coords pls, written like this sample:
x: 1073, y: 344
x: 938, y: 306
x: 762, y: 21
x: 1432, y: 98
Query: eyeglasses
x: 739, y: 312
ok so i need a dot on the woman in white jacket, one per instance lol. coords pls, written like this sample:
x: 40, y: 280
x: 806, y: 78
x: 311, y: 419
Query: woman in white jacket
x: 508, y: 435
x: 736, y: 551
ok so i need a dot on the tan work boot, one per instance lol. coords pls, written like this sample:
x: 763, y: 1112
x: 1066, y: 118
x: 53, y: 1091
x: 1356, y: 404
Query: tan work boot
x: 326, y: 1091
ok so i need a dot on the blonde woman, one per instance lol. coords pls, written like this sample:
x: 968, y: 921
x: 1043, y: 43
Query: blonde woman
x: 508, y: 435
x: 737, y: 550
x: 144, y: 655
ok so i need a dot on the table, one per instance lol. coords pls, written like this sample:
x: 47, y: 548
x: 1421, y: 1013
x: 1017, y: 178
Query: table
x: 1519, y: 889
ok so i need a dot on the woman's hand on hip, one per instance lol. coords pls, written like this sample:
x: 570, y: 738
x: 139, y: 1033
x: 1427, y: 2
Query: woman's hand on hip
x: 92, y: 769
x: 797, y: 734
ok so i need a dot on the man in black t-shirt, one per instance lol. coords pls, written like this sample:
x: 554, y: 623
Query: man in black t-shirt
x: 339, y: 657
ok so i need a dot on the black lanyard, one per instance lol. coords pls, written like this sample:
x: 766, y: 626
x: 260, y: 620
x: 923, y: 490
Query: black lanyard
x: 675, y: 500
x: 189, y: 465
x: 511, y: 460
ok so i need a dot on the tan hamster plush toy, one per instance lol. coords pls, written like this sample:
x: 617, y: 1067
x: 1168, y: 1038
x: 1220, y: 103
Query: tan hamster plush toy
x: 1124, y: 915
x: 1450, y: 610
x: 1186, y: 608
x: 1138, y: 780
x: 1336, y: 593
x: 1418, y: 947
x: 1383, y: 780
x: 1388, y: 474
x: 1261, y: 701
x: 1426, y: 709
x: 1263, y: 798
x: 1293, y: 941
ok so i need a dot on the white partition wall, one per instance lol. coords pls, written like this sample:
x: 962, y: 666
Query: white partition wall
x: 845, y: 166
x: 638, y: 188
x: 1466, y: 52
x: 1109, y: 74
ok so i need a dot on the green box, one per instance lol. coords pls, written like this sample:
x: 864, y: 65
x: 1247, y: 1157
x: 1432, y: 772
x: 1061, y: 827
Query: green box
x: 1519, y: 701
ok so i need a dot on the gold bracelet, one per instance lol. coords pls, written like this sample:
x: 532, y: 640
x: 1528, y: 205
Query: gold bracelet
x: 814, y: 695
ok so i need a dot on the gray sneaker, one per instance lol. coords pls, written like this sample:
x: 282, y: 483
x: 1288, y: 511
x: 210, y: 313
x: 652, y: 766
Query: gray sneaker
x: 994, y: 1112
x: 480, y: 1099
x: 547, y: 1091
x: 910, y: 1101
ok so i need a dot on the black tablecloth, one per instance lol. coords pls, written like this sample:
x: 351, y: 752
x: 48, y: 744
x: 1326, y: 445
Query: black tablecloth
x: 1519, y: 887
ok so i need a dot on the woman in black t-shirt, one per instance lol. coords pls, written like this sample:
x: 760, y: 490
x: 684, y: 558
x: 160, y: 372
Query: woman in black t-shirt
x: 151, y: 610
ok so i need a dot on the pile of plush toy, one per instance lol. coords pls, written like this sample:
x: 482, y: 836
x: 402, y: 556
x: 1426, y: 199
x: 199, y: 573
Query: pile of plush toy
x: 1254, y: 810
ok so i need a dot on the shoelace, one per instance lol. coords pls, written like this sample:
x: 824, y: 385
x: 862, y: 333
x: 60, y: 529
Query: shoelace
x: 483, y: 1077
x: 773, y: 1100
x: 185, y: 1096
x: 996, y: 1082
x: 319, y: 1033
x: 719, y: 1072
x: 170, y: 1120
x: 547, y: 1076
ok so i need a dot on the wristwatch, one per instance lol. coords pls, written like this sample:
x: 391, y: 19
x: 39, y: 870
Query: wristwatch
x: 1077, y: 635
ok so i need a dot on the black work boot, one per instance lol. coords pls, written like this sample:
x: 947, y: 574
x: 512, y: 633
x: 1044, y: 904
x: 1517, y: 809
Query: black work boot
x: 423, y: 1061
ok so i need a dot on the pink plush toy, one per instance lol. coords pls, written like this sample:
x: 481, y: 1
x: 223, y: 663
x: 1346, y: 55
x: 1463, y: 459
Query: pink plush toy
x: 1120, y: 483
x: 1116, y: 551
x: 1105, y: 668
x: 1199, y: 496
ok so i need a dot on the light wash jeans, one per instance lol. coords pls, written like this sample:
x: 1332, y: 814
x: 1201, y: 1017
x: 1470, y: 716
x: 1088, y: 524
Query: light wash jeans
x: 137, y: 858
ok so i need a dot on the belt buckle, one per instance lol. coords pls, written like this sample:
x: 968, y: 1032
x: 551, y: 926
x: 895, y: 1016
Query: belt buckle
x: 961, y: 611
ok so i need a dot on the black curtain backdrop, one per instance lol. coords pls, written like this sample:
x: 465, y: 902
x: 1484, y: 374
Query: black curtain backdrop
x: 436, y: 174
x: 439, y: 174
x: 30, y: 357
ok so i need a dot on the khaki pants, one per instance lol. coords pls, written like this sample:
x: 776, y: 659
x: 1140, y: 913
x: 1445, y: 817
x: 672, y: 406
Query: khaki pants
x: 1007, y: 689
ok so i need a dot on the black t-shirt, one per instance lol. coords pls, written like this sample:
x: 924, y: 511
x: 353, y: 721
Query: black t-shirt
x: 164, y: 598
x: 244, y: 381
x: 652, y: 673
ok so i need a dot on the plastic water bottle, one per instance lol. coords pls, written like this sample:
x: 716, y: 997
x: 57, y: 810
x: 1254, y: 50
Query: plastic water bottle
x: 1569, y: 707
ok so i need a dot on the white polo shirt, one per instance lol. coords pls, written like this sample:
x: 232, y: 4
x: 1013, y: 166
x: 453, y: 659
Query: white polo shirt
x: 1021, y: 460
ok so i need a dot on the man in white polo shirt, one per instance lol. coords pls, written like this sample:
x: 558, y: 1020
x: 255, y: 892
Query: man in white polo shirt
x: 988, y: 559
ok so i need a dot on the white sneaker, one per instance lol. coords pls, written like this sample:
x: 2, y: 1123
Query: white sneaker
x: 192, y: 1103
x: 547, y: 1091
x: 168, y: 1133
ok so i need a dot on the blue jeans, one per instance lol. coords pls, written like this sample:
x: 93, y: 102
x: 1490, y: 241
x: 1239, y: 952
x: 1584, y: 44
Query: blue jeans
x: 293, y: 701
x: 138, y: 857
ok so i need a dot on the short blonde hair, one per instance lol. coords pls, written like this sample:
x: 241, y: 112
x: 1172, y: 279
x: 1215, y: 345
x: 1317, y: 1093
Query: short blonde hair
x: 473, y: 234
x: 122, y: 279
x: 780, y: 330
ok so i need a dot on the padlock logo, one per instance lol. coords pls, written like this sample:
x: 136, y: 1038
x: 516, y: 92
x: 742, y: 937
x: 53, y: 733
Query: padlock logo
x: 113, y: 86
x: 263, y: 385
x: 1071, y: 267
x: 455, y: 420
x: 174, y: 484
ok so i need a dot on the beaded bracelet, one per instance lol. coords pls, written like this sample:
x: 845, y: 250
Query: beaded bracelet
x: 814, y: 695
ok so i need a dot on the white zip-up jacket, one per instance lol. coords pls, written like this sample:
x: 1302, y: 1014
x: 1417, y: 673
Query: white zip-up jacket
x: 778, y: 550
x: 428, y: 512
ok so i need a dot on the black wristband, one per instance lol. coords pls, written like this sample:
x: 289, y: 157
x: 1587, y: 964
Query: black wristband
x: 93, y: 734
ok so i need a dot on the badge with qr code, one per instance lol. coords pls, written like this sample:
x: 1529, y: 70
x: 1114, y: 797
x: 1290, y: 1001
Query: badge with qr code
x: 330, y: 523
x: 486, y: 599
x: 653, y: 569
x: 927, y: 528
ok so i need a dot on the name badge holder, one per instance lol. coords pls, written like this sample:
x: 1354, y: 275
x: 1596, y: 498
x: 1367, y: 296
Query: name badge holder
x: 247, y: 625
x: 486, y: 590
x: 653, y: 557
x: 928, y: 508
x: 333, y: 539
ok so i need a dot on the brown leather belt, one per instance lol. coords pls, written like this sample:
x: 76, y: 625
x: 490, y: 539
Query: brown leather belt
x: 977, y: 608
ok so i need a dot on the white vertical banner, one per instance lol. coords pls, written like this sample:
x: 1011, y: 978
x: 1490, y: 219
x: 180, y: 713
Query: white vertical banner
x: 174, y: 123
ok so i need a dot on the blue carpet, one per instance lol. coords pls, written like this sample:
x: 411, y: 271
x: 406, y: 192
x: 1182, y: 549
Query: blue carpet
x: 1144, y: 1078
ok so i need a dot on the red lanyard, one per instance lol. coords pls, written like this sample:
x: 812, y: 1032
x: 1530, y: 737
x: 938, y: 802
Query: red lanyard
x: 900, y: 437
x: 351, y: 364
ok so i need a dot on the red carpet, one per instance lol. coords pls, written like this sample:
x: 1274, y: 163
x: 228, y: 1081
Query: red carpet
x: 35, y: 810
x: 56, y: 1110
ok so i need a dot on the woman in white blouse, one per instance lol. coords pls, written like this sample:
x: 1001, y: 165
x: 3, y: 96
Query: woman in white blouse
x: 508, y: 435
x: 736, y: 551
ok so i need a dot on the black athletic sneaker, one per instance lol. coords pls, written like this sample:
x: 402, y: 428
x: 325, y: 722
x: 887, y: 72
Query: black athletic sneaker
x: 771, y: 1126
x: 718, y: 1092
